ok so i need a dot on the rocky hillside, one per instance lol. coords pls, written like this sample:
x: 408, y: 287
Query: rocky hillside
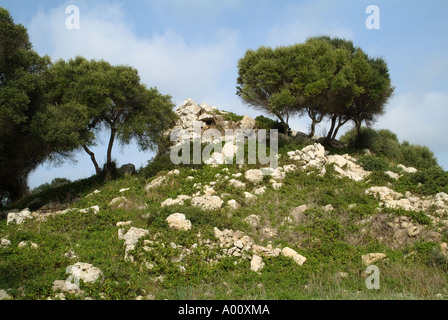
x: 309, y: 230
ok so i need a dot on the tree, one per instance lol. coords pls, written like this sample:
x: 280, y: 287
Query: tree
x: 115, y: 99
x: 354, y: 86
x: 324, y: 77
x: 265, y: 81
x: 22, y: 104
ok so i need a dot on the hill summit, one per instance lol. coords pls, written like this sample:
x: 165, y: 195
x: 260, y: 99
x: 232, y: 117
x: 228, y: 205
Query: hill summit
x: 309, y: 228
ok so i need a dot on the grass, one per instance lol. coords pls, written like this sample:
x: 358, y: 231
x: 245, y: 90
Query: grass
x: 332, y: 241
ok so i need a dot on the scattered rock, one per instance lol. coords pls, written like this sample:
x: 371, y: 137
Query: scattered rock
x: 19, y: 217
x: 247, y: 123
x: 178, y: 201
x: 413, y: 231
x: 131, y: 238
x: 276, y: 185
x: 4, y: 295
x: 393, y: 175
x: 70, y: 254
x: 207, y: 202
x: 266, y: 251
x: 260, y: 191
x: 407, y: 169
x: 24, y: 244
x: 93, y: 193
x: 256, y: 264
x: 253, y: 220
x: 254, y: 175
x: 178, y: 221
x: 288, y: 252
x: 94, y: 209
x: 175, y: 172
x: 4, y: 243
x: 370, y: 258
x: 65, y: 286
x: 342, y: 275
x: 237, y: 184
x: 155, y: 183
x: 85, y: 272
x: 290, y: 168
x: 121, y: 203
x: 384, y: 193
x: 297, y: 212
x: 233, y: 204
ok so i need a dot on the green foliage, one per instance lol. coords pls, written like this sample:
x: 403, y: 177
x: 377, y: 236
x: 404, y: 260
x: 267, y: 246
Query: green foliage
x: 112, y: 97
x: 384, y: 143
x: 230, y: 116
x: 371, y: 163
x: 157, y: 164
x: 426, y: 181
x: 22, y: 147
x: 323, y: 77
x: 56, y: 182
x: 267, y: 124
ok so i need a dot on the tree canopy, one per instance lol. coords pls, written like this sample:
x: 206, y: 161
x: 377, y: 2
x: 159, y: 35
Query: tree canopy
x: 323, y: 78
x: 113, y: 98
x: 50, y: 110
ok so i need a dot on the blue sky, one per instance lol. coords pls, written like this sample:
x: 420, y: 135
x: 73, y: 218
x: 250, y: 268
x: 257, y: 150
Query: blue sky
x: 190, y: 49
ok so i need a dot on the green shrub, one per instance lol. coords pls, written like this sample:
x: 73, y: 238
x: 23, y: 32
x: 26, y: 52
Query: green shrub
x: 364, y: 140
x: 418, y: 156
x: 230, y: 116
x: 266, y: 123
x: 372, y: 163
x: 427, y: 181
x: 385, y: 143
x: 159, y: 163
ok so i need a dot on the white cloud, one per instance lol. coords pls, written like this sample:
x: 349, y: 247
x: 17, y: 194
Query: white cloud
x: 167, y: 60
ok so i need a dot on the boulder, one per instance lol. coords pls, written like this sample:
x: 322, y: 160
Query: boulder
x: 4, y: 243
x: 256, y: 264
x: 4, y: 295
x: 178, y: 201
x: 178, y: 221
x: 131, y: 238
x: 288, y: 252
x: 407, y: 169
x: 207, y: 202
x: 85, y: 272
x: 19, y: 217
x: 233, y: 204
x: 247, y: 123
x: 254, y: 175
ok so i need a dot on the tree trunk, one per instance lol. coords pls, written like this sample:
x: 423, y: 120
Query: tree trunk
x: 340, y: 124
x: 92, y: 157
x: 333, y: 124
x: 109, y: 168
x: 282, y: 120
x: 358, y: 126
